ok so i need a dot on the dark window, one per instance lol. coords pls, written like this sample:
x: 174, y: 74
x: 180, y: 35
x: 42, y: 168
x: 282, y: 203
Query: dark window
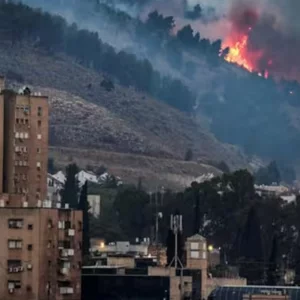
x: 39, y: 122
x: 30, y: 226
x: 67, y: 225
x: 79, y: 225
x: 29, y: 247
x: 39, y: 111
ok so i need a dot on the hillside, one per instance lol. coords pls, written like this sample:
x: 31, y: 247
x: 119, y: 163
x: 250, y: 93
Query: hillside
x: 84, y: 114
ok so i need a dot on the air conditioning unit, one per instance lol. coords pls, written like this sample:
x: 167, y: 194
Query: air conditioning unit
x: 70, y: 290
x: 29, y: 267
x: 67, y: 206
x: 58, y: 205
x: 25, y: 204
x: 71, y: 232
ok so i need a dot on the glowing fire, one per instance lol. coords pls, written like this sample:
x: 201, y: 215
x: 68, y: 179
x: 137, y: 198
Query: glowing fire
x: 240, y: 54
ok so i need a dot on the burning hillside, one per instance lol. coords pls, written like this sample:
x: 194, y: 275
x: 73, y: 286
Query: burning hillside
x: 258, y: 42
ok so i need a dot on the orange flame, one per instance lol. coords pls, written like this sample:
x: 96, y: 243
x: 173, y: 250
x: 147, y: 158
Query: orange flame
x: 239, y: 53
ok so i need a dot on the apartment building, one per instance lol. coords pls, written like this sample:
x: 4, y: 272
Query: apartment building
x: 40, y: 254
x: 24, y: 146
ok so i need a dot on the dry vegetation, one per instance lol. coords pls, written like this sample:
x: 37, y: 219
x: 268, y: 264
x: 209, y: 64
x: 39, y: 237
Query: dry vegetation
x: 85, y: 115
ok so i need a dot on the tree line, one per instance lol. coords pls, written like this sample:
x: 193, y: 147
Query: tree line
x: 51, y: 33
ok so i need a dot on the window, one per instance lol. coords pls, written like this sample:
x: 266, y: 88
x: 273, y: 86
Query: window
x: 38, y: 165
x: 26, y: 121
x: 29, y: 247
x: 17, y: 121
x: 30, y: 226
x: 22, y: 135
x: 26, y: 135
x: 79, y: 225
x: 15, y: 223
x: 17, y: 135
x: 39, y: 111
x: 49, y: 244
x: 67, y: 224
x: 15, y: 244
x: 204, y: 255
x: 50, y: 224
x: 38, y: 150
x: 194, y: 254
x: 39, y: 122
x: 13, y: 284
x: 49, y: 263
x: 24, y: 177
x: 39, y: 136
x: 13, y: 263
x: 25, y: 149
x: 194, y: 246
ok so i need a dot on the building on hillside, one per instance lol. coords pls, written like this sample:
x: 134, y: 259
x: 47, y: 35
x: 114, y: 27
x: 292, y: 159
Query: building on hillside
x: 60, y: 176
x: 95, y: 205
x: 40, y: 253
x: 271, y: 190
x: 23, y: 146
x: 84, y: 176
x: 54, y: 186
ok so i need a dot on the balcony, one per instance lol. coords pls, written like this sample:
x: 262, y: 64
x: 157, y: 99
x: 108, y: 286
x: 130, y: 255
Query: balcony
x: 15, y: 269
x: 66, y: 290
x: 65, y: 253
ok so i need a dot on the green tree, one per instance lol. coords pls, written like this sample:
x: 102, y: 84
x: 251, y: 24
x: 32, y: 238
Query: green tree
x: 84, y: 206
x: 71, y: 187
x: 272, y: 272
x: 132, y: 208
x: 251, y: 250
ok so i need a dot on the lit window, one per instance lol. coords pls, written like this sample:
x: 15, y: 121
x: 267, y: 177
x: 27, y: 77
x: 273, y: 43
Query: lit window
x: 17, y: 135
x: 39, y: 136
x: 17, y: 149
x: 15, y: 244
x: 26, y: 135
x: 21, y: 163
x: 21, y: 135
x: 25, y: 149
x: 194, y: 254
x: 38, y: 164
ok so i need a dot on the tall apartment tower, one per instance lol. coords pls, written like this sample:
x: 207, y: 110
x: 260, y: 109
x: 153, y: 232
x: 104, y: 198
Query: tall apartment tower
x: 24, y: 145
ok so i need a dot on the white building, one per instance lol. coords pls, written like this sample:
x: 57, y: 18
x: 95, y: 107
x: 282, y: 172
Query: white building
x: 84, y: 176
x: 95, y: 205
x: 54, y: 187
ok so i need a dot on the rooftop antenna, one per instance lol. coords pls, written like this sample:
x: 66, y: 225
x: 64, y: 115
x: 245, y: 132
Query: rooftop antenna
x: 176, y: 227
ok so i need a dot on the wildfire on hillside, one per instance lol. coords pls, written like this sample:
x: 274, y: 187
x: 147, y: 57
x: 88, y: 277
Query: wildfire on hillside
x: 240, y: 51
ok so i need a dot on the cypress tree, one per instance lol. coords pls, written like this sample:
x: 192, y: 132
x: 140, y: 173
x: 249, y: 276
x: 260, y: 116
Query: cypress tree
x: 272, y: 273
x: 83, y: 205
x: 71, y: 188
x: 251, y: 251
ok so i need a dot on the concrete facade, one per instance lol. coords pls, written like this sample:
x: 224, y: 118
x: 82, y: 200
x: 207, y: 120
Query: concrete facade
x: 40, y: 254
